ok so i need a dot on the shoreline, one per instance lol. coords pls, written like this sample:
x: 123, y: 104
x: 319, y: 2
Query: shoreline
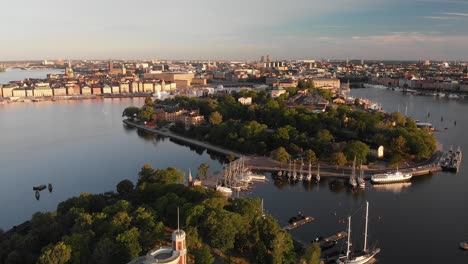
x: 13, y: 100
x: 261, y: 163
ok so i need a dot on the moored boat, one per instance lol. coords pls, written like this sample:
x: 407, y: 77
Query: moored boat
x: 50, y: 187
x: 39, y: 187
x: 224, y: 190
x: 464, y: 246
x: 389, y: 177
x: 38, y: 195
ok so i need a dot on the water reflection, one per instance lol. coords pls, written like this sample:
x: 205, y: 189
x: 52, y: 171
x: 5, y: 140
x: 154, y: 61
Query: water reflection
x: 392, y: 187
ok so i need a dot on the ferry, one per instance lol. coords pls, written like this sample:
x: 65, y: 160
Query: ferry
x: 224, y: 190
x: 451, y: 160
x: 391, y: 177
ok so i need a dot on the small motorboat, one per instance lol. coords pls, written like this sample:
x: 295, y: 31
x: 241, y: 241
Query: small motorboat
x: 294, y: 219
x: 39, y: 187
x: 50, y: 187
x: 464, y: 246
x: 38, y: 195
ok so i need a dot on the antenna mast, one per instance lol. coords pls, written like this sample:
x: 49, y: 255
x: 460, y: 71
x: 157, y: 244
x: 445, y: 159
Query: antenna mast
x: 365, y: 230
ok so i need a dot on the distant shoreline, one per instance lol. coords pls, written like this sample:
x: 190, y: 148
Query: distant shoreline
x: 11, y: 100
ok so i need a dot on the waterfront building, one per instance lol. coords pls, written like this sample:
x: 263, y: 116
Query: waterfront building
x: 85, y: 90
x: 59, y: 91
x: 124, y: 87
x: 157, y: 87
x: 115, y: 89
x: 188, y: 117
x: 1, y: 91
x: 134, y: 87
x: 148, y: 87
x: 140, y: 87
x: 7, y: 90
x: 76, y: 89
x: 42, y: 89
x: 96, y: 90
x: 106, y: 89
x: 19, y: 92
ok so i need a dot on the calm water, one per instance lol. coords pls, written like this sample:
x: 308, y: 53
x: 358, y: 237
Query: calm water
x: 79, y: 146
x: 82, y: 146
x: 17, y: 74
x: 419, y: 222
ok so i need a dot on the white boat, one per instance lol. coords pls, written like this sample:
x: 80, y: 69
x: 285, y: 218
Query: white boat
x: 360, y: 257
x: 317, y: 177
x: 224, y: 190
x: 392, y: 187
x: 453, y: 96
x: 361, y: 181
x: 309, y: 175
x: 352, y: 178
x: 389, y: 177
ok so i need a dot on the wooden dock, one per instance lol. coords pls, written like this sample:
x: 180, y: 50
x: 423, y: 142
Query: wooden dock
x: 305, y: 220
x: 335, y: 237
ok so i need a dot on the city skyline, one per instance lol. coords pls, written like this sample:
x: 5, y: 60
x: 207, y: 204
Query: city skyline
x: 337, y: 29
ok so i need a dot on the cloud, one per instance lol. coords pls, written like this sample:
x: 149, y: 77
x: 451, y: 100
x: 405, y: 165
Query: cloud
x: 401, y: 38
x: 455, y: 14
x: 441, y: 17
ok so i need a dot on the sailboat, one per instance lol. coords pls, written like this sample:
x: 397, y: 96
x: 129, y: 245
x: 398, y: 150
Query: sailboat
x: 289, y: 170
x: 301, y: 177
x: 360, y: 179
x: 360, y: 257
x: 309, y: 175
x: 294, y: 174
x: 352, y: 178
x: 317, y: 177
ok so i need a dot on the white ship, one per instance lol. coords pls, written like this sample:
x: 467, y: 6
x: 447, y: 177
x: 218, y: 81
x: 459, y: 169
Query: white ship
x: 361, y: 181
x: 389, y: 177
x: 360, y: 257
x: 224, y: 190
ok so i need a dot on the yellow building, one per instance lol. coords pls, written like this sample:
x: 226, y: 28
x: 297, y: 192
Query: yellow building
x: 124, y: 87
x: 326, y: 83
x: 60, y: 91
x: 86, y: 90
x: 7, y: 90
x: 184, y: 79
x: 115, y: 89
x: 19, y: 92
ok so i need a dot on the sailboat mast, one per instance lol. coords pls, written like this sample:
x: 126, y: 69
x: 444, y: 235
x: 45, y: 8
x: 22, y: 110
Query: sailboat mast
x: 349, y: 237
x: 365, y: 230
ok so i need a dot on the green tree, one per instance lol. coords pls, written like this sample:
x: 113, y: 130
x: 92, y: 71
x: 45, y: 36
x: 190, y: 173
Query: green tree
x: 125, y: 187
x: 130, y: 112
x: 281, y: 155
x: 357, y: 149
x: 202, y: 171
x: 338, y: 159
x: 167, y: 176
x: 398, y: 146
x: 216, y: 118
x: 203, y: 255
x: 146, y: 113
x: 324, y: 136
x: 149, y: 101
x: 312, y: 254
x: 129, y: 239
x: 59, y: 253
x: 79, y: 244
x: 310, y: 157
x: 107, y: 251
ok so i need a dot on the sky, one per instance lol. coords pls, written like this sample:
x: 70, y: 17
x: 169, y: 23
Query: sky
x: 234, y: 30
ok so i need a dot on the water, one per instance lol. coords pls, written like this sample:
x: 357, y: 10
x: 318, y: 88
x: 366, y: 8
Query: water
x: 78, y: 146
x: 82, y: 146
x: 17, y: 74
x: 419, y: 222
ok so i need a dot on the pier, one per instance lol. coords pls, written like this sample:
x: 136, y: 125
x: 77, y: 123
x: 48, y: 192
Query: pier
x: 169, y: 134
x: 334, y: 238
x: 267, y: 164
x: 298, y: 223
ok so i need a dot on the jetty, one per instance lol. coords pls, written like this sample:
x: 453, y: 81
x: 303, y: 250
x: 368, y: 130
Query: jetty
x: 267, y: 164
x: 334, y: 238
x: 298, y: 223
x: 169, y: 134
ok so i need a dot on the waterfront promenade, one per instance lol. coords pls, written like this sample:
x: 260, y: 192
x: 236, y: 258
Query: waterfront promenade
x: 267, y: 164
x: 169, y: 134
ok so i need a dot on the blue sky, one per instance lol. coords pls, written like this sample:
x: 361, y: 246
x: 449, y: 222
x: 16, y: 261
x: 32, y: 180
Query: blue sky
x: 234, y: 30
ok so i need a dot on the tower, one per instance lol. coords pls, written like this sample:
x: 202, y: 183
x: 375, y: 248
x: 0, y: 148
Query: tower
x: 124, y: 70
x: 178, y: 242
x: 69, y: 70
x: 111, y: 66
x: 190, y: 179
x: 268, y: 58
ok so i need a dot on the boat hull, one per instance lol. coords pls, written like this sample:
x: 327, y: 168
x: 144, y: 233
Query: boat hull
x: 386, y: 181
x: 360, y: 259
